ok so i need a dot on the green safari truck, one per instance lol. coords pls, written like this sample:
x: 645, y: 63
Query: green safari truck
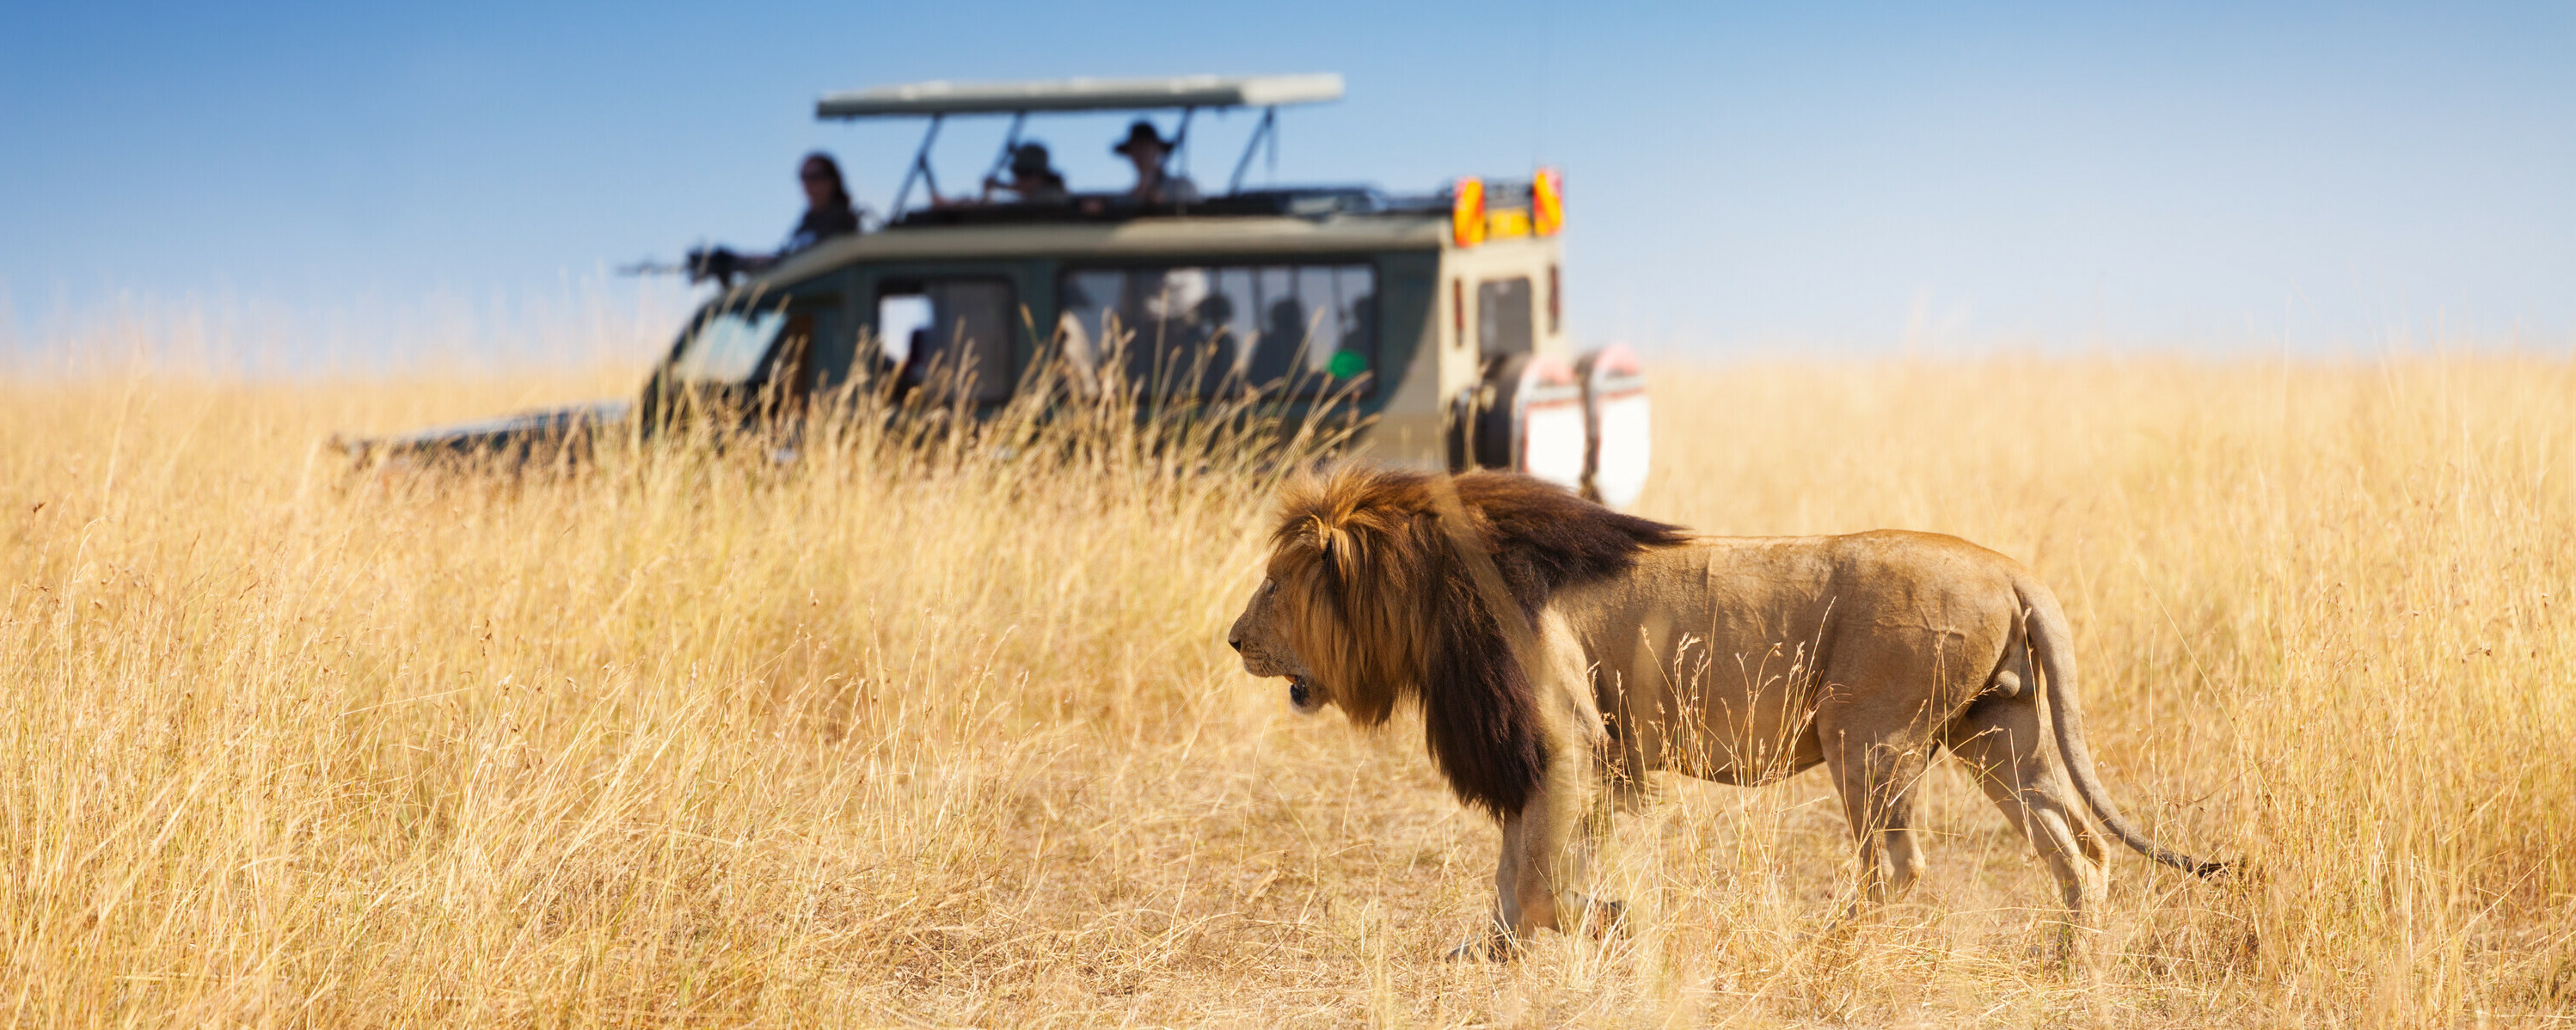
x: 1435, y: 319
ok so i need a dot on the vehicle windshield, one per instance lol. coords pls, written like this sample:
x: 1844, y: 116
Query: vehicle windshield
x: 727, y: 347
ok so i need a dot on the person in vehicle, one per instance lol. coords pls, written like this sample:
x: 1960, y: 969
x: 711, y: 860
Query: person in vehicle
x: 1148, y: 151
x: 828, y: 213
x: 1033, y: 180
x: 1280, y: 352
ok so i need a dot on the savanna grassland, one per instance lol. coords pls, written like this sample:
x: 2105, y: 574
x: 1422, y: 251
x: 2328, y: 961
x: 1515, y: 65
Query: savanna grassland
x: 939, y: 736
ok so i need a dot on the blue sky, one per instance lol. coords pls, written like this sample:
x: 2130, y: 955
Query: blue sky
x: 1741, y: 179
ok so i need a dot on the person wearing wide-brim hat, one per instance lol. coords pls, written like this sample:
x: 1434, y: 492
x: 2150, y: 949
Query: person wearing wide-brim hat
x: 1148, y: 150
x: 1033, y: 177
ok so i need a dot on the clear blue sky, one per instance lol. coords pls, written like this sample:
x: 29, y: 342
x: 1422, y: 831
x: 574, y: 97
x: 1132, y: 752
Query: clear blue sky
x: 1740, y: 178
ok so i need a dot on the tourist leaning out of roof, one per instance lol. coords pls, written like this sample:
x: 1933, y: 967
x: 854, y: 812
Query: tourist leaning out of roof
x: 1155, y: 184
x: 828, y: 213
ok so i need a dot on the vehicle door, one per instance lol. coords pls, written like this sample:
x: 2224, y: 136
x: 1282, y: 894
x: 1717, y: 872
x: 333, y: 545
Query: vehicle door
x: 952, y: 335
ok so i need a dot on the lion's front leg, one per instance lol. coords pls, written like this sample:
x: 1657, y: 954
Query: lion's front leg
x: 1510, y: 924
x: 1546, y: 851
x: 1548, y: 843
x: 1543, y: 857
x: 1535, y: 860
x: 1539, y: 843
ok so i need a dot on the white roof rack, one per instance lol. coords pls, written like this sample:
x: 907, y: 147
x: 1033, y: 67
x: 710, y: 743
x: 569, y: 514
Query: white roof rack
x: 942, y: 98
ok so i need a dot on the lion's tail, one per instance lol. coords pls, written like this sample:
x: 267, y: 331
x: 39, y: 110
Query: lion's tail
x: 2052, y: 642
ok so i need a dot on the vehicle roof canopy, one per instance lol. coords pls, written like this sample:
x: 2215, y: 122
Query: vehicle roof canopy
x: 1185, y: 91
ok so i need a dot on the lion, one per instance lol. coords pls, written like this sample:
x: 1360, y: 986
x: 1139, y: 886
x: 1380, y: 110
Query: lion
x: 1560, y: 651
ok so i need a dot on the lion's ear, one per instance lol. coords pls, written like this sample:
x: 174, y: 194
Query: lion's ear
x: 1345, y: 556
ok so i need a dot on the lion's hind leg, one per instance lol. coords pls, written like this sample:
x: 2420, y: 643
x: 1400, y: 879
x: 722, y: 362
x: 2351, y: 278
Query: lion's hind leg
x: 2003, y: 744
x: 1876, y: 779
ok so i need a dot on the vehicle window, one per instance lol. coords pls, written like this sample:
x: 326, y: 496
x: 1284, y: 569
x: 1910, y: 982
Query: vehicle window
x: 1202, y: 329
x: 1503, y: 317
x: 952, y: 336
x: 727, y: 347
x: 899, y: 316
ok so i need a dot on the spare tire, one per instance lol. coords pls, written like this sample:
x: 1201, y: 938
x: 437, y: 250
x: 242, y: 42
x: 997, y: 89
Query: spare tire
x: 1525, y: 415
x: 1618, y: 432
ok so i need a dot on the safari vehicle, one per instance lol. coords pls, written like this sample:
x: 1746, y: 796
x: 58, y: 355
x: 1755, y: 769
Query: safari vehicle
x: 1435, y: 322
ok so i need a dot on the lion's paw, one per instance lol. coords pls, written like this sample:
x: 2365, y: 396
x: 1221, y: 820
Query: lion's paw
x: 1604, y: 918
x: 1492, y: 947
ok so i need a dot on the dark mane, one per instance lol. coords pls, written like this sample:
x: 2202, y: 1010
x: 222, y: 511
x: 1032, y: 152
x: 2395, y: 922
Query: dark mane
x: 1390, y: 604
x: 1545, y: 539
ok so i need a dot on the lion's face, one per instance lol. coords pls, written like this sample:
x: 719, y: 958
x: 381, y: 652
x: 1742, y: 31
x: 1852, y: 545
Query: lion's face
x: 1260, y: 635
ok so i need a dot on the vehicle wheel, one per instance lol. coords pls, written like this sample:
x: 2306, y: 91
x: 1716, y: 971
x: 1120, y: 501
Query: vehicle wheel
x: 1526, y: 415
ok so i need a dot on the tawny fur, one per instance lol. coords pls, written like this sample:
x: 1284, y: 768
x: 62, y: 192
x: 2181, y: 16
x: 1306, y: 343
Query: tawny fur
x: 1555, y: 647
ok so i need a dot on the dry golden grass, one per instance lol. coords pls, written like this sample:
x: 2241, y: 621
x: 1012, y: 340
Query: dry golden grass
x: 871, y: 742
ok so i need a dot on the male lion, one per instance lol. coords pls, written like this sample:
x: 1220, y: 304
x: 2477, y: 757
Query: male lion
x: 1557, y: 648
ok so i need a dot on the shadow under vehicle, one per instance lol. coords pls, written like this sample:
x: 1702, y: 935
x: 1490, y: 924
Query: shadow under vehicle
x: 1433, y: 322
